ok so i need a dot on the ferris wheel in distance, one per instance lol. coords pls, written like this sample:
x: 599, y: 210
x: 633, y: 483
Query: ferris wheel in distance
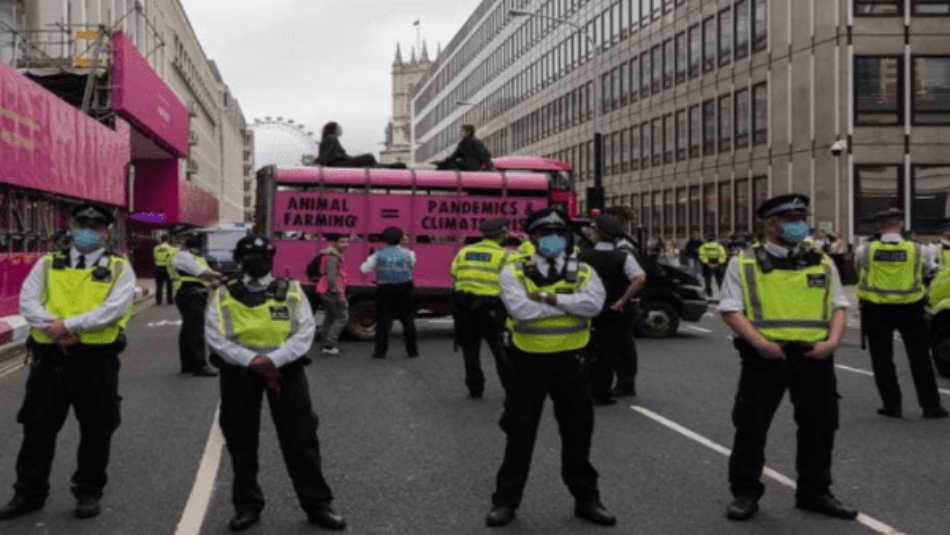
x: 282, y: 142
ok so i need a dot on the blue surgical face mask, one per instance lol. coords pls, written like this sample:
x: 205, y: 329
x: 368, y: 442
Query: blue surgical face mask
x: 551, y: 246
x: 795, y: 232
x: 86, y: 240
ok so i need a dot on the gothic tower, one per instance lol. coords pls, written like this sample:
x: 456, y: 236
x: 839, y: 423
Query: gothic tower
x: 406, y: 75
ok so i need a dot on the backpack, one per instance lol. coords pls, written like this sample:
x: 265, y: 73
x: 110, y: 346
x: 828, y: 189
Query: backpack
x: 313, y: 268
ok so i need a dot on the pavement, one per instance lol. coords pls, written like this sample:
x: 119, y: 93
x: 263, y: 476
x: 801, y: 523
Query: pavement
x: 407, y: 452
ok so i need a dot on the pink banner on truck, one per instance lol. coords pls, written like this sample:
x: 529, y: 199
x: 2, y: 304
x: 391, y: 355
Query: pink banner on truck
x: 143, y: 98
x: 445, y: 215
x: 48, y: 145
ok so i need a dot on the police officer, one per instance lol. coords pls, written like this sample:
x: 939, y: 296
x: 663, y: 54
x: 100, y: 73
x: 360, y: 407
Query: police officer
x: 550, y: 301
x: 190, y: 277
x: 891, y: 288
x: 712, y: 255
x: 622, y: 278
x: 77, y: 302
x: 479, y: 312
x: 260, y: 330
x: 789, y: 345
x: 393, y: 267
x: 162, y: 252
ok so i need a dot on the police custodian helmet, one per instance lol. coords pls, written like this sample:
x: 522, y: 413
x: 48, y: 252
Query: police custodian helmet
x: 252, y: 244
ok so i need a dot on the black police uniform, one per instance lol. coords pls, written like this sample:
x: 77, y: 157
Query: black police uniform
x: 191, y: 299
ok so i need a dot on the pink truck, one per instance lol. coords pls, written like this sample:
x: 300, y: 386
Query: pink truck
x: 439, y: 211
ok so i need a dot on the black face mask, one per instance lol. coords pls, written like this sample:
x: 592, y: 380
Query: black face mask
x: 258, y: 267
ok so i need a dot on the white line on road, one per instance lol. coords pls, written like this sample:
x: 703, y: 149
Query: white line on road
x: 710, y: 314
x: 10, y: 370
x: 441, y: 321
x: 871, y: 374
x: 872, y: 523
x: 698, y: 329
x: 200, y: 497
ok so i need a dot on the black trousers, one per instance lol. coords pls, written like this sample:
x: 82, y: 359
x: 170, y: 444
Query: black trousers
x: 394, y: 301
x: 362, y: 160
x: 163, y: 281
x: 607, y: 347
x: 531, y: 379
x: 191, y: 302
x: 86, y: 379
x: 812, y: 387
x: 879, y: 323
x: 487, y: 322
x: 708, y: 273
x: 627, y: 366
x: 242, y: 392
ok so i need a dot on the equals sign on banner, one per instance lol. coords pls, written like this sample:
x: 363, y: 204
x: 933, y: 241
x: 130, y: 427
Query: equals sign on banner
x: 390, y: 213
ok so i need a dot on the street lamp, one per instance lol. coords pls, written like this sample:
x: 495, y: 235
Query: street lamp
x: 595, y: 195
x: 504, y: 116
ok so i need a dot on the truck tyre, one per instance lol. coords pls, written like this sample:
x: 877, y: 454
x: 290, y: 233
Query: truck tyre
x: 362, y: 324
x: 658, y: 319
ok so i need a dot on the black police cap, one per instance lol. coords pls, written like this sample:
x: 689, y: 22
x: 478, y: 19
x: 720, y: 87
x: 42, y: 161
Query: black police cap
x: 790, y: 203
x: 494, y: 226
x: 607, y: 226
x: 252, y: 244
x: 888, y: 215
x: 91, y: 212
x: 547, y: 218
x: 180, y: 230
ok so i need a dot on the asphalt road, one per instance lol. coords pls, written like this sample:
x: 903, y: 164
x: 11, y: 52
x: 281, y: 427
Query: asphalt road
x: 407, y: 452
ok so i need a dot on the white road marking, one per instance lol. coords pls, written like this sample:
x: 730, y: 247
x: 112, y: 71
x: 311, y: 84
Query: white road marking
x: 441, y: 321
x: 197, y: 506
x: 871, y: 374
x: 868, y: 521
x: 710, y: 314
x: 172, y: 323
x: 698, y: 329
x: 11, y: 369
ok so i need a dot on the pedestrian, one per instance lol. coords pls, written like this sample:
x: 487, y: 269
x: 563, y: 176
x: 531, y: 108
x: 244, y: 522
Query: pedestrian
x: 476, y: 305
x: 692, y: 253
x: 712, y: 256
x: 892, y: 292
x: 393, y: 266
x: 77, y: 303
x: 162, y: 252
x: 623, y: 278
x: 470, y: 154
x: 784, y: 344
x: 550, y: 301
x: 191, y: 277
x: 260, y: 330
x: 332, y: 154
x: 331, y: 287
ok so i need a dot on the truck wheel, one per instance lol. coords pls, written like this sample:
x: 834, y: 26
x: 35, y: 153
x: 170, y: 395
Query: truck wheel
x: 362, y: 324
x: 658, y: 319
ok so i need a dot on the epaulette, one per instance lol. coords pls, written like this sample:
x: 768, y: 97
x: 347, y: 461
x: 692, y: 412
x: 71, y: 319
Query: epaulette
x: 764, y: 259
x: 279, y: 288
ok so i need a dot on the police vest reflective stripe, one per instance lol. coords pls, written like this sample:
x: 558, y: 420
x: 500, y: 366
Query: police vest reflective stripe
x: 477, y: 268
x: 555, y: 334
x: 68, y: 293
x: 712, y: 251
x: 262, y: 328
x: 162, y: 252
x: 892, y: 273
x: 393, y: 265
x: 772, y: 311
x: 178, y: 278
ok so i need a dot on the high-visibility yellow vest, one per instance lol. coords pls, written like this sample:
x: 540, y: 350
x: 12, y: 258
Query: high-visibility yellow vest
x: 892, y: 273
x: 788, y: 305
x: 476, y: 268
x: 162, y: 252
x: 69, y: 292
x: 938, y: 298
x: 554, y: 334
x: 178, y: 278
x: 263, y: 328
x: 943, y: 255
x: 712, y: 252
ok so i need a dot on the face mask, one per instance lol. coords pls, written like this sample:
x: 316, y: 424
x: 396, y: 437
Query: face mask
x: 258, y: 267
x: 795, y: 232
x: 86, y: 240
x: 551, y: 246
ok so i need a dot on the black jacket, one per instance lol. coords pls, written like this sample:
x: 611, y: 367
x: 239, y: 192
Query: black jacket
x: 330, y: 150
x: 470, y: 155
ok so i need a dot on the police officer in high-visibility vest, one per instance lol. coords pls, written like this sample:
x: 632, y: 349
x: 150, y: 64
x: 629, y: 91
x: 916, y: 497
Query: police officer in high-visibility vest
x: 892, y: 292
x: 550, y: 301
x: 712, y: 256
x: 163, y: 283
x: 785, y: 344
x: 260, y: 330
x: 477, y: 307
x: 77, y: 302
x: 393, y: 266
x: 191, y: 278
x: 940, y: 251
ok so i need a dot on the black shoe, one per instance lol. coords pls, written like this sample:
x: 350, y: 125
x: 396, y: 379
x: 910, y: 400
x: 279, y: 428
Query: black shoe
x: 742, y: 509
x: 935, y: 412
x: 19, y: 506
x: 475, y: 394
x: 594, y: 512
x: 604, y: 402
x: 87, y: 508
x: 327, y: 519
x: 827, y: 505
x: 379, y: 356
x: 412, y: 356
x: 205, y: 372
x: 500, y: 516
x: 628, y: 392
x: 242, y: 521
x: 890, y: 412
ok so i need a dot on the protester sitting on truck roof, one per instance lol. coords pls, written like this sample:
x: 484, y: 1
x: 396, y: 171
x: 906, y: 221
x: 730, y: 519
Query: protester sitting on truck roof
x: 470, y: 154
x: 332, y: 153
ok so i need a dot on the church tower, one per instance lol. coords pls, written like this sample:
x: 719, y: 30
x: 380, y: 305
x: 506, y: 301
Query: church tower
x: 406, y: 76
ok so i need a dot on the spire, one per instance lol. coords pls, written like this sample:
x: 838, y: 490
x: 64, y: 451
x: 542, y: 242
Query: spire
x: 438, y: 52
x: 398, y: 60
x: 425, y: 53
x: 412, y: 59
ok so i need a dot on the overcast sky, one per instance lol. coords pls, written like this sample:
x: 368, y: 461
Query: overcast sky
x: 321, y: 60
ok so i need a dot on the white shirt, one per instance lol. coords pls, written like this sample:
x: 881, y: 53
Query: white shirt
x: 370, y: 263
x: 631, y: 267
x: 585, y: 304
x: 295, y: 347
x: 184, y: 262
x: 106, y: 314
x: 928, y: 255
x: 732, y: 299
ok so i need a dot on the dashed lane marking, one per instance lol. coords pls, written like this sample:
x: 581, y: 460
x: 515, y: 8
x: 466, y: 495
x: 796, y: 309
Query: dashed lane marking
x: 698, y: 329
x: 871, y: 374
x: 864, y: 519
x: 196, y: 508
x: 163, y: 323
x: 10, y: 369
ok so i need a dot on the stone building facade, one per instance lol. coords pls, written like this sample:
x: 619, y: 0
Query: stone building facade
x: 399, y: 131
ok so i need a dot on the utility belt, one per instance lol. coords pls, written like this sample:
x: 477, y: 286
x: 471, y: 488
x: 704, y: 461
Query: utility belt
x: 226, y: 367
x: 194, y: 287
x: 474, y: 302
x: 792, y: 350
x: 37, y: 352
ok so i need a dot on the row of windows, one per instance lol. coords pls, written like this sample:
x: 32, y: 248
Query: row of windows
x: 193, y: 77
x: 886, y: 8
x: 879, y: 90
x: 879, y: 187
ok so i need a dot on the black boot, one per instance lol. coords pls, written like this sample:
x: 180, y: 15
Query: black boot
x: 244, y: 520
x: 19, y: 506
x: 87, y: 507
x: 595, y: 512
x: 500, y: 516
x: 326, y: 518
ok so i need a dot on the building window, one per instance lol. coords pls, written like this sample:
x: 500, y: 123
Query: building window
x: 760, y: 25
x: 725, y: 123
x: 760, y: 113
x: 634, y: 148
x: 709, y: 127
x: 876, y: 188
x: 931, y: 90
x: 695, y: 126
x: 725, y: 208
x: 760, y: 190
x: 645, y: 210
x: 624, y: 152
x: 657, y: 141
x: 615, y: 152
x: 680, y: 213
x: 743, y: 211
x: 878, y: 90
x: 634, y: 79
x: 620, y: 86
x: 669, y: 60
x: 656, y: 69
x: 669, y: 138
x: 709, y: 44
x: 644, y: 12
x: 657, y: 9
x: 681, y: 57
x: 605, y: 93
x: 695, y: 204
x: 870, y: 8
x: 608, y: 155
x: 933, y: 8
x: 655, y: 227
x: 709, y: 208
x: 645, y: 145
x: 742, y: 118
x: 681, y: 135
x: 645, y: 70
x: 742, y: 29
x: 725, y: 37
x: 930, y: 190
x: 668, y: 208
x: 695, y: 51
